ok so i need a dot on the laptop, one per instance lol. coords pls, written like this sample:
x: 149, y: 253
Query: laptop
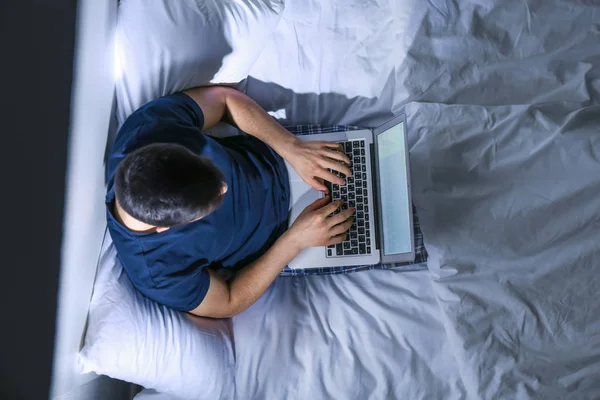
x: 379, y: 189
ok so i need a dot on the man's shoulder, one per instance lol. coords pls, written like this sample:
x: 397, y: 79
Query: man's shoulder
x: 161, y: 267
x: 175, y: 109
x: 170, y: 250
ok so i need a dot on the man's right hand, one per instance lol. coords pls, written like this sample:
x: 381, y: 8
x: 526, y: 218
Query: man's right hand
x: 314, y: 226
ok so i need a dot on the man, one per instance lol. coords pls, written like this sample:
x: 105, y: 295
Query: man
x: 180, y: 203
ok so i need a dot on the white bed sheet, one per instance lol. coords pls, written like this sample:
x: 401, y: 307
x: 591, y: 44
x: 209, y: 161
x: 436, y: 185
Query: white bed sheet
x: 336, y: 62
x: 506, y: 177
x: 503, y: 102
x: 503, y: 106
x: 367, y: 335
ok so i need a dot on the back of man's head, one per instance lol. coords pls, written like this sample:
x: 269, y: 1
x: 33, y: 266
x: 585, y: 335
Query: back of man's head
x: 167, y: 184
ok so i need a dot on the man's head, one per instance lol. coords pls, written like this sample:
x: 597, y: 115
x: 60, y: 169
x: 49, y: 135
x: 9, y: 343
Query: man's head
x: 162, y: 185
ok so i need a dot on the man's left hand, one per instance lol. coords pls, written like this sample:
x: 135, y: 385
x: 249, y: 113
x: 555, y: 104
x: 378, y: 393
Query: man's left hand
x: 314, y: 160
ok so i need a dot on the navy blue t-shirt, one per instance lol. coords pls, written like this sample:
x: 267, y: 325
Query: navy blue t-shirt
x: 169, y: 267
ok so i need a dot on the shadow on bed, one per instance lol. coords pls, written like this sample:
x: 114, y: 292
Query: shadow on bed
x: 312, y: 108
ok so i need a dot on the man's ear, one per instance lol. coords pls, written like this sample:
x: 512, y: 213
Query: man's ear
x: 160, y: 229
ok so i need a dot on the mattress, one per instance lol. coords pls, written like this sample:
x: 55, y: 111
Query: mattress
x: 503, y: 113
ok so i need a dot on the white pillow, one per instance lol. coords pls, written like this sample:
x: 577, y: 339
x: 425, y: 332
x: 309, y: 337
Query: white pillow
x: 132, y: 338
x: 164, y: 46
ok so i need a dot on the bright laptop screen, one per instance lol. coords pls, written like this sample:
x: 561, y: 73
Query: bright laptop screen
x: 394, y: 191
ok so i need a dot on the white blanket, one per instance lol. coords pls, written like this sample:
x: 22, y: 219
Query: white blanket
x: 336, y: 62
x: 504, y: 121
x: 368, y: 335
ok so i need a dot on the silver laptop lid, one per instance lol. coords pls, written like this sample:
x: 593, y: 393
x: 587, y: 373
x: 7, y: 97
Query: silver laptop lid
x: 392, y: 178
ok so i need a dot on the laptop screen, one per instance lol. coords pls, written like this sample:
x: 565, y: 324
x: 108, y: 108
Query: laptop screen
x: 396, y: 222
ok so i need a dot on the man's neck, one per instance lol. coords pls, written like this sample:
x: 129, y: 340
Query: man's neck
x: 129, y: 222
x: 117, y: 213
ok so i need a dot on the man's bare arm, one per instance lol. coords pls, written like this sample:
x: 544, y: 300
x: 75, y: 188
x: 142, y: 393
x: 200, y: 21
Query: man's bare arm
x: 219, y: 102
x: 313, y: 227
x: 312, y: 160
x: 225, y: 300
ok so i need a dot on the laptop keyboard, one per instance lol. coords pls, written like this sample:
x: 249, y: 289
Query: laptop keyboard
x: 353, y: 194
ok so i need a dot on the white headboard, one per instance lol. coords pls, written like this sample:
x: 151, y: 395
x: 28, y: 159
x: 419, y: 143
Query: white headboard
x: 84, y: 223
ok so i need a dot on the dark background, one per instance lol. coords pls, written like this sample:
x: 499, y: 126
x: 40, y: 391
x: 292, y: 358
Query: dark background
x: 36, y: 68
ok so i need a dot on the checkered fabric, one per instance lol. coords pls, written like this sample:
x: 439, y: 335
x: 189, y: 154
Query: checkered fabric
x: 420, y: 251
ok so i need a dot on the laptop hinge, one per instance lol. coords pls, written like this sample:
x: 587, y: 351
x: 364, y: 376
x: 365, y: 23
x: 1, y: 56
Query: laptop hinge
x: 375, y: 205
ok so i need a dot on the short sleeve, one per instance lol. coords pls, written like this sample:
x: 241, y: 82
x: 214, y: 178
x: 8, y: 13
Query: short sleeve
x: 183, y: 292
x: 176, y: 278
x: 178, y: 109
x: 176, y: 118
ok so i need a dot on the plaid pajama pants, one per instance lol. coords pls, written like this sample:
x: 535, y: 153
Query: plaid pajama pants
x: 420, y: 251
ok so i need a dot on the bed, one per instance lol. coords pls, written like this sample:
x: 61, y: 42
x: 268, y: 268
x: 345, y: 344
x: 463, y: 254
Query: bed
x: 502, y: 99
x: 502, y: 104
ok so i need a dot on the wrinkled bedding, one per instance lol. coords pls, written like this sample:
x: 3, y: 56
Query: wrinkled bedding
x: 511, y: 200
x: 502, y: 101
x: 367, y: 335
